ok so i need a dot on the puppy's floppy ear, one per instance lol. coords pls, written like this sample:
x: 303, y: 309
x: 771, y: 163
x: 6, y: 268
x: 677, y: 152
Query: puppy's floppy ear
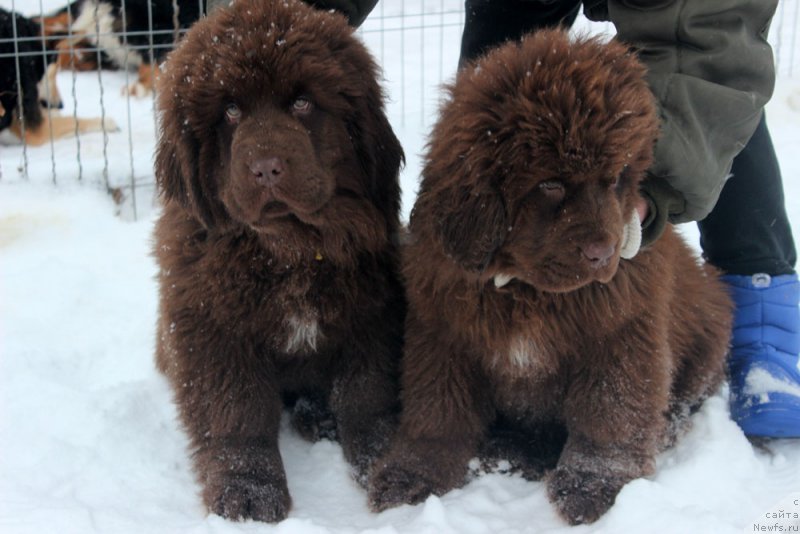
x: 169, y: 171
x: 380, y: 156
x: 470, y: 221
x: 178, y: 170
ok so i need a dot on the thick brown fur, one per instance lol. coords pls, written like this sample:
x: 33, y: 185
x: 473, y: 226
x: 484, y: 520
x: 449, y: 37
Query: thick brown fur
x: 581, y: 368
x: 279, y: 277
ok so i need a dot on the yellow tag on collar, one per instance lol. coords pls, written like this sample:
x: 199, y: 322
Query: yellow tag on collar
x: 318, y: 256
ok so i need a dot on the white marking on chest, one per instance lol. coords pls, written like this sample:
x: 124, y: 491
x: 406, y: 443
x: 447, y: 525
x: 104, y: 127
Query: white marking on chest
x: 303, y: 334
x: 522, y: 351
x: 96, y: 21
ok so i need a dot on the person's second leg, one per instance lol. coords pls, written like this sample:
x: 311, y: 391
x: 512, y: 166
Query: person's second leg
x: 491, y: 22
x: 749, y: 237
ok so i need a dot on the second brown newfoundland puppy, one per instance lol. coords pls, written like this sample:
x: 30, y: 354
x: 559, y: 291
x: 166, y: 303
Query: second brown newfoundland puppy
x: 527, y: 336
x: 278, y: 268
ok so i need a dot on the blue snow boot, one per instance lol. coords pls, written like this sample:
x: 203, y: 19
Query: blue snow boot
x: 763, y: 363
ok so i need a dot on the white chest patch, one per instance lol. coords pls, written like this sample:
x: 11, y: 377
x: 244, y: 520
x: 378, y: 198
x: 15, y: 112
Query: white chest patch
x: 303, y: 334
x: 522, y: 352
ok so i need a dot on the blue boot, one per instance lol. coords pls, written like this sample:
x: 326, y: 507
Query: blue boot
x: 763, y: 364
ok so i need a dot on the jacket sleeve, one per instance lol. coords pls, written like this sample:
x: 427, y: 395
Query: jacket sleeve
x: 711, y: 70
x: 355, y: 10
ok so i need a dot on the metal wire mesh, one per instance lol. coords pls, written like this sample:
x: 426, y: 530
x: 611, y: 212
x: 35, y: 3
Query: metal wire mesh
x: 416, y: 42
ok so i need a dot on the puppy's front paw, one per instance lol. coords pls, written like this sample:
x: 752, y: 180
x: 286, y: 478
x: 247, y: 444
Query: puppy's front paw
x: 313, y: 420
x: 392, y: 485
x: 583, y: 496
x: 240, y: 497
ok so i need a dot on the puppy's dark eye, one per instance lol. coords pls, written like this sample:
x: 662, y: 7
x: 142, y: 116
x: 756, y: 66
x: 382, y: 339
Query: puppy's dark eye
x: 302, y: 105
x: 233, y: 114
x: 553, y: 190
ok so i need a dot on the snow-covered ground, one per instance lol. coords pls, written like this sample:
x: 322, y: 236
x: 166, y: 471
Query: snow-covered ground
x: 88, y: 435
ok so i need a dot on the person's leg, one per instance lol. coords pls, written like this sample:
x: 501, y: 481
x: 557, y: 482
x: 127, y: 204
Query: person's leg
x: 749, y: 237
x: 491, y: 22
x: 748, y: 230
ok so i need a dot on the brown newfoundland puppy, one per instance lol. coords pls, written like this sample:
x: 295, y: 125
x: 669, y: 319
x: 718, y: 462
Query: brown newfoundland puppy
x: 526, y: 334
x: 278, y: 269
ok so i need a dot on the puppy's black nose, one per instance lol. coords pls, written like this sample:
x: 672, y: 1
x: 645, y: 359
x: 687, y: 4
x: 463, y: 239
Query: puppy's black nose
x: 268, y: 171
x: 598, y: 253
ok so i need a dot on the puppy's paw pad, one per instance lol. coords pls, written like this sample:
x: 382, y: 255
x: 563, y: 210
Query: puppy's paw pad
x: 582, y: 496
x: 243, y: 498
x: 393, y: 485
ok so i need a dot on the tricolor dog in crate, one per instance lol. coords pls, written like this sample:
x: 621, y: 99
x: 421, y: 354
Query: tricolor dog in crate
x: 121, y: 34
x: 28, y: 86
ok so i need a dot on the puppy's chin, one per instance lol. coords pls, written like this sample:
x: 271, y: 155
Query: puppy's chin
x: 550, y: 279
x: 279, y: 224
x: 267, y: 213
x: 280, y: 219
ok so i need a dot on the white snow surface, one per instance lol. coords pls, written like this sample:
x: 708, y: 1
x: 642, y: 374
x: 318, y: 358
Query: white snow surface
x: 761, y: 382
x: 89, y: 440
